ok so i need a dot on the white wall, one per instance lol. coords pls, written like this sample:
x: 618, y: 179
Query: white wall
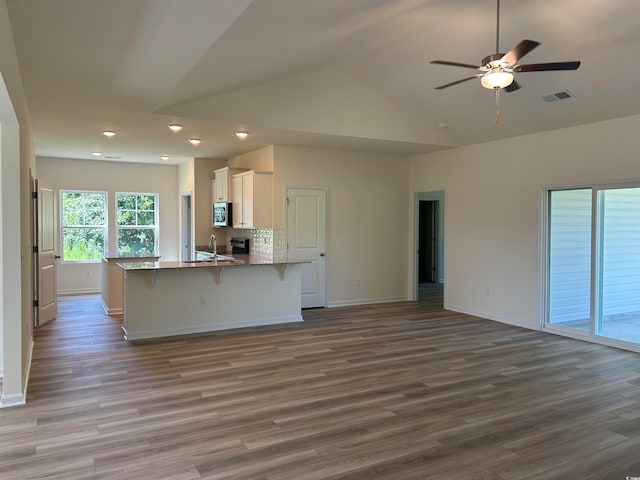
x: 260, y: 160
x: 493, y: 193
x: 203, y: 174
x: 18, y: 161
x: 73, y: 174
x: 366, y: 218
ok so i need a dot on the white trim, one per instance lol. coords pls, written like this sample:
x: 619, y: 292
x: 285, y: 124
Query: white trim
x: 209, y: 328
x: 78, y: 291
x: 366, y: 301
x: 1, y: 372
x: 110, y: 311
x: 18, y: 399
x: 543, y: 258
x: 13, y: 400
x: 488, y: 316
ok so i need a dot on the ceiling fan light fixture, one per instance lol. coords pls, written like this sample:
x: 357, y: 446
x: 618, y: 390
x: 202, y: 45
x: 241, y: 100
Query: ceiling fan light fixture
x: 496, y: 79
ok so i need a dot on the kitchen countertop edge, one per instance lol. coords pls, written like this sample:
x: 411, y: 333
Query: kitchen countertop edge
x: 241, y: 260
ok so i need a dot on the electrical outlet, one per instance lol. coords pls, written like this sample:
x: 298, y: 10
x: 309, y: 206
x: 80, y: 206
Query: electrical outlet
x: 203, y: 301
x: 487, y: 292
x: 358, y: 282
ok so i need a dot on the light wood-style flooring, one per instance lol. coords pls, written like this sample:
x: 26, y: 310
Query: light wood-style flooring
x: 397, y: 391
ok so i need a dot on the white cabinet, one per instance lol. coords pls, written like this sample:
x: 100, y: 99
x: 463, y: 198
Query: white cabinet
x: 252, y: 196
x: 223, y: 183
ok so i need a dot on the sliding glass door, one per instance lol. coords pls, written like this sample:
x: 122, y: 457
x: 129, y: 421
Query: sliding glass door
x: 570, y: 258
x: 593, y: 263
x: 618, y: 307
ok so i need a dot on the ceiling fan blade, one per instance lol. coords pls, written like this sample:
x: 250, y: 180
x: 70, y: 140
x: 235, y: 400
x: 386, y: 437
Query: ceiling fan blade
x: 512, y: 87
x: 455, y: 64
x: 519, y: 51
x: 544, y: 67
x: 457, y: 82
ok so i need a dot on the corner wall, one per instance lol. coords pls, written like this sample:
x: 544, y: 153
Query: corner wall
x: 366, y: 218
x: 18, y: 161
x: 493, y: 210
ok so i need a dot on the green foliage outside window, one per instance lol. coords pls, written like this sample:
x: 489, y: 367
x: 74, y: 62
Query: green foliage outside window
x: 136, y: 222
x: 83, y: 225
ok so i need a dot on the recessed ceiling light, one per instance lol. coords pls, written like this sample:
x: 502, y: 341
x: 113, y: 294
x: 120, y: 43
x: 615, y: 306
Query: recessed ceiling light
x: 194, y: 141
x: 174, y: 127
x: 109, y: 133
x: 242, y: 134
x: 164, y: 158
x: 96, y: 154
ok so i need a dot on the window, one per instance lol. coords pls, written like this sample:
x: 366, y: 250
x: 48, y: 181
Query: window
x: 84, y: 225
x: 137, y: 223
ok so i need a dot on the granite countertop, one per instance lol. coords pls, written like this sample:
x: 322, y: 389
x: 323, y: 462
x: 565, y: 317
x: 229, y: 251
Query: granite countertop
x: 127, y: 258
x: 235, y: 260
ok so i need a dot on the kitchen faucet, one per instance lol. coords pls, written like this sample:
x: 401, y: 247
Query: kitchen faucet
x: 212, y: 245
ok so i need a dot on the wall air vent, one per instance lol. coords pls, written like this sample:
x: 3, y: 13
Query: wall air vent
x: 111, y: 157
x: 562, y: 95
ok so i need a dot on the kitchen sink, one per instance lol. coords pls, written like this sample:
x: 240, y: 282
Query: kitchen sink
x: 212, y: 259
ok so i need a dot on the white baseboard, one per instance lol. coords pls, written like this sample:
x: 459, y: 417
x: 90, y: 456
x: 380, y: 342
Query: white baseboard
x: 13, y: 400
x: 489, y: 316
x: 366, y: 301
x: 78, y: 291
x: 110, y: 311
x: 17, y: 399
x: 261, y: 322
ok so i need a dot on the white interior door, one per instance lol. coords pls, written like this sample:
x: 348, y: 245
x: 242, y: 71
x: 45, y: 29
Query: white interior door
x: 47, y: 254
x: 306, y: 240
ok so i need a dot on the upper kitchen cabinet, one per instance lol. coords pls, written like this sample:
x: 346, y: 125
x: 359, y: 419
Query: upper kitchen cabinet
x: 252, y: 196
x: 223, y: 183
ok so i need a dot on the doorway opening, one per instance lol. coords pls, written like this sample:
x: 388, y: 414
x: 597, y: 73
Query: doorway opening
x: 187, y: 250
x: 429, y: 247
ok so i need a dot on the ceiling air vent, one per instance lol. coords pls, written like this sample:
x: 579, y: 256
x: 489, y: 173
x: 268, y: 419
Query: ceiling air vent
x: 562, y: 95
x: 111, y: 157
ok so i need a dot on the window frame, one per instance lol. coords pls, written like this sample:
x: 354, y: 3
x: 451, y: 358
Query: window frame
x: 155, y: 227
x: 105, y: 226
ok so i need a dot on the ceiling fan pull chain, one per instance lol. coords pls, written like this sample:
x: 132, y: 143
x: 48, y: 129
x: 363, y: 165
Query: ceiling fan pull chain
x: 497, y: 105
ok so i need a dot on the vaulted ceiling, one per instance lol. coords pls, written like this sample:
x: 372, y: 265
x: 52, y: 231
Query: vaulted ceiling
x: 349, y: 74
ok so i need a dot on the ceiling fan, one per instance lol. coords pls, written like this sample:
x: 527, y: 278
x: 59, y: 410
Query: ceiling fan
x: 496, y: 71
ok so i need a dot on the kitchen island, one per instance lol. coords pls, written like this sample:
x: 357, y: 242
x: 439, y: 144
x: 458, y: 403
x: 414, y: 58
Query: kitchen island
x: 111, y: 285
x: 164, y: 299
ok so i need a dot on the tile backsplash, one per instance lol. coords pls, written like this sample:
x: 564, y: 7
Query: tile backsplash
x: 261, y: 242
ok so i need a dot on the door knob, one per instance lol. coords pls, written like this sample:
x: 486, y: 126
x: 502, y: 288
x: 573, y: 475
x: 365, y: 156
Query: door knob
x: 57, y: 256
x: 322, y: 254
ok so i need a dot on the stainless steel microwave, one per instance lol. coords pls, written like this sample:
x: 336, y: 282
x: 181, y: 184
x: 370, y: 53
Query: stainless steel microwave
x: 222, y: 212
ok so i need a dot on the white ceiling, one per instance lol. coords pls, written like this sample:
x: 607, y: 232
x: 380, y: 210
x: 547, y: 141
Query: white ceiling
x: 349, y: 74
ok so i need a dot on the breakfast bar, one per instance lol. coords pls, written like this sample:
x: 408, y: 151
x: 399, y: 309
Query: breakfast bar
x: 163, y: 299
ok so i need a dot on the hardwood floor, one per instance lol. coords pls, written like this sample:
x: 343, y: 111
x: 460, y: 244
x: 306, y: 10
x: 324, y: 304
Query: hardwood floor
x: 390, y: 391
